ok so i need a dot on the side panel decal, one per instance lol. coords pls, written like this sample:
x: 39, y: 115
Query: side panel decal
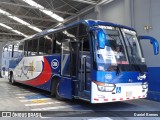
x: 42, y: 78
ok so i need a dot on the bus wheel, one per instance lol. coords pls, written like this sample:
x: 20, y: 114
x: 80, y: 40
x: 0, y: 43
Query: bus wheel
x: 57, y: 91
x: 53, y: 89
x: 11, y: 79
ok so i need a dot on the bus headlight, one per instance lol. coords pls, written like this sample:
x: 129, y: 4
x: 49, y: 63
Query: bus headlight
x: 101, y: 88
x: 104, y: 87
x: 145, y: 85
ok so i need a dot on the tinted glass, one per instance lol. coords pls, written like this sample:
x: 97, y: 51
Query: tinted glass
x: 25, y: 48
x: 41, y: 46
x: 34, y: 46
x: 48, y: 44
x: 59, y: 38
x: 82, y: 31
x: 65, y: 68
x: 29, y: 47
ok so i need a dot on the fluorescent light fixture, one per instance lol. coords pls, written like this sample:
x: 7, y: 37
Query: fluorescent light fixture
x: 15, y: 31
x: 20, y: 20
x: 44, y: 10
x: 86, y: 1
x: 104, y: 2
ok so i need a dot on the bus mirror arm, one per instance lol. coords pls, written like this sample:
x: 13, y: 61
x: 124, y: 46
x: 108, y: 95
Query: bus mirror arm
x: 153, y: 41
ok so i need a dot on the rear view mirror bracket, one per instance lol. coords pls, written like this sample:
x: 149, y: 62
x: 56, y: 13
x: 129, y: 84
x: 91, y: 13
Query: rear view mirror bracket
x: 153, y: 41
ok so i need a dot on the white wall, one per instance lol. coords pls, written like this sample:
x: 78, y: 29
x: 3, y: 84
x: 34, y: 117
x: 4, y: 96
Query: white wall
x: 114, y: 12
x: 147, y: 13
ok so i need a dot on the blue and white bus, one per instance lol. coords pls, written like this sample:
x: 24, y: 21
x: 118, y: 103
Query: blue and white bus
x: 90, y: 60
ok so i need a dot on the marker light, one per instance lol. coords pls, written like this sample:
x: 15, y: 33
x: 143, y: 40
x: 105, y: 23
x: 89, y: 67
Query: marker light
x: 145, y: 85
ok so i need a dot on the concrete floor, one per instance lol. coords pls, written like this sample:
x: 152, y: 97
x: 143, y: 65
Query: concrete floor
x: 23, y: 98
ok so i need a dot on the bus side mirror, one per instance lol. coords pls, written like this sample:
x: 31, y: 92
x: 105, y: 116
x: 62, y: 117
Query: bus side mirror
x: 154, y: 42
x: 101, y: 37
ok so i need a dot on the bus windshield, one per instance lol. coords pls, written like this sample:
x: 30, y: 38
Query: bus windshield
x: 133, y: 47
x: 118, y: 52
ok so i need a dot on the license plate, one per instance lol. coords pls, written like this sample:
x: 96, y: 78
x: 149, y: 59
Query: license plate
x: 129, y: 94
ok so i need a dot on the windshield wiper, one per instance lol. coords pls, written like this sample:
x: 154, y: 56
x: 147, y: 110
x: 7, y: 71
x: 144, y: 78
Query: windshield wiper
x: 118, y: 70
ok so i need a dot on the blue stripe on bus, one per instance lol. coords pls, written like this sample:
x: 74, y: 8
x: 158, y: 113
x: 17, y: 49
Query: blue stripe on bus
x: 123, y: 77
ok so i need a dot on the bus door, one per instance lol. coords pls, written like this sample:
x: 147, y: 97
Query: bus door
x: 69, y: 67
x: 65, y: 84
x: 84, y: 73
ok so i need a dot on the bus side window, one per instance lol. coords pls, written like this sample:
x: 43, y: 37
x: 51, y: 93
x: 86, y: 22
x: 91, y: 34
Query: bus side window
x: 21, y: 49
x: 85, y: 44
x: 70, y: 33
x: 41, y: 46
x: 25, y: 47
x: 5, y: 49
x: 29, y: 47
x: 48, y: 44
x: 34, y: 47
x: 59, y: 38
x: 82, y: 31
x: 15, y: 51
x: 9, y: 51
x: 53, y: 43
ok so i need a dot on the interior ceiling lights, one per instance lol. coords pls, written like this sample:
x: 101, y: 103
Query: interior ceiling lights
x: 20, y: 20
x: 44, y: 10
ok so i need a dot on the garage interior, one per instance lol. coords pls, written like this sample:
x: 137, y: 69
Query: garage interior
x: 23, y: 18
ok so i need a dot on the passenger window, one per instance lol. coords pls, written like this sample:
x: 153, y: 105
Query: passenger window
x: 41, y: 46
x: 15, y: 49
x: 21, y: 49
x: 82, y: 31
x: 48, y: 44
x: 34, y: 47
x: 21, y: 46
x: 70, y: 33
x: 29, y: 47
x: 59, y: 38
x: 25, y: 47
x: 85, y: 44
x: 10, y: 51
x: 65, y: 68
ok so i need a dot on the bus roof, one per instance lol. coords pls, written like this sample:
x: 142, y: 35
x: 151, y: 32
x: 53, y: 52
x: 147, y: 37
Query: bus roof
x: 89, y: 23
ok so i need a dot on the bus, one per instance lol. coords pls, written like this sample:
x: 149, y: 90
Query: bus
x: 91, y: 60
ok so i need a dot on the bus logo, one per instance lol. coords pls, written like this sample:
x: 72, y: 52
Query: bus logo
x: 54, y: 63
x: 141, y: 77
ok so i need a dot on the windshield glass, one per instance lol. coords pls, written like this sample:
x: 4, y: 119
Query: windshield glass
x: 122, y: 51
x: 133, y: 47
x: 113, y: 53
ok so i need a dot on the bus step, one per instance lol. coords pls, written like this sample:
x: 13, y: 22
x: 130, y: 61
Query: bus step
x: 85, y: 94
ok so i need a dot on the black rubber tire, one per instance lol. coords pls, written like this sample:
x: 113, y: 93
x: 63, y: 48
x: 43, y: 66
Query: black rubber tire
x: 57, y: 91
x: 11, y: 79
x: 53, y: 89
